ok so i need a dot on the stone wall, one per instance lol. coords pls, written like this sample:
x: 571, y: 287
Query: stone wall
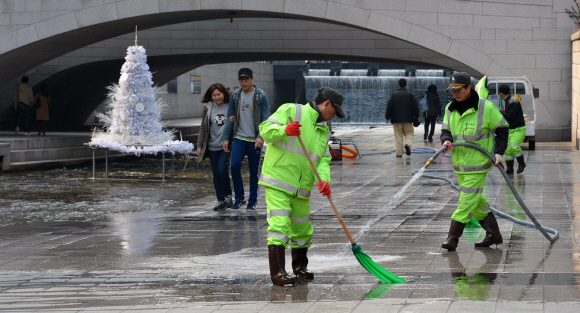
x: 183, y: 104
x: 576, y: 88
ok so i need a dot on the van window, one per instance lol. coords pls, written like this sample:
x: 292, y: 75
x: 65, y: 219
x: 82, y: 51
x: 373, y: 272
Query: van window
x: 492, y: 88
x: 520, y: 89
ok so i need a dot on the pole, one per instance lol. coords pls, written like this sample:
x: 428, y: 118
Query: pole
x: 320, y: 180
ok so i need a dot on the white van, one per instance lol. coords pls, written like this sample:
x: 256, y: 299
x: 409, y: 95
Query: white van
x: 527, y: 93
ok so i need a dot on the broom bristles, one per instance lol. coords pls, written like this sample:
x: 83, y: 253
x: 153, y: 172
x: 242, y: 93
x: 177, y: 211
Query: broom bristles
x: 380, y: 273
x: 472, y: 224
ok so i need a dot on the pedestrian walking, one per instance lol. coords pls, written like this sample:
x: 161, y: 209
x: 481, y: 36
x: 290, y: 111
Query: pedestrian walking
x: 470, y: 118
x: 514, y: 115
x: 247, y: 108
x: 210, y: 142
x: 403, y: 110
x: 288, y: 178
x: 42, y: 118
x: 23, y: 100
x: 433, y: 111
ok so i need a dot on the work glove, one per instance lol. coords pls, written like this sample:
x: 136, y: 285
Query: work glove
x: 449, y: 146
x: 293, y: 129
x: 324, y: 189
x: 498, y: 160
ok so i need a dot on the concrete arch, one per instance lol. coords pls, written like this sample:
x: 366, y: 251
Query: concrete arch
x: 39, y: 42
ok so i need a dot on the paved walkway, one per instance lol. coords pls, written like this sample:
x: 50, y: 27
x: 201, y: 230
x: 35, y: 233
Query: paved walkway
x: 69, y: 244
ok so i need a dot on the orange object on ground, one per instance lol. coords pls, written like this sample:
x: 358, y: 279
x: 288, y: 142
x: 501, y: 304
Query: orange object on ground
x: 350, y: 155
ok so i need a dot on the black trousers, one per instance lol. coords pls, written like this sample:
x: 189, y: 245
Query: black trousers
x: 432, y: 121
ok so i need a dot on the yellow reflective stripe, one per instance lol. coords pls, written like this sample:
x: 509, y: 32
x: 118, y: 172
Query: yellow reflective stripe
x: 278, y: 212
x: 301, y: 243
x: 471, y: 190
x: 485, y: 208
x: 304, y: 219
x: 273, y: 120
x: 279, y: 236
x: 473, y: 168
x: 279, y: 184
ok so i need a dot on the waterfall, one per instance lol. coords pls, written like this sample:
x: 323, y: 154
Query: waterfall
x: 392, y: 73
x: 365, y: 98
x: 429, y: 73
x: 318, y: 72
x: 353, y: 72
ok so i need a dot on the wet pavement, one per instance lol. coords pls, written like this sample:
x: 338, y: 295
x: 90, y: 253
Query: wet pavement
x: 70, y: 244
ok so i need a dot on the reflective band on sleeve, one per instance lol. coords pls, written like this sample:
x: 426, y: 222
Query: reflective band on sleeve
x: 473, y: 168
x: 278, y: 212
x: 279, y: 236
x: 327, y: 152
x: 301, y: 243
x: 279, y: 184
x: 446, y: 127
x: 500, y: 124
x: 485, y: 208
x: 471, y: 190
x: 304, y: 219
x: 304, y: 193
x: 273, y: 120
x: 515, y: 144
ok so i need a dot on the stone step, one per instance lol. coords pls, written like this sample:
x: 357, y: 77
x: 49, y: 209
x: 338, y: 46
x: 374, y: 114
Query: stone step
x: 62, y: 162
x: 49, y: 154
x: 46, y: 142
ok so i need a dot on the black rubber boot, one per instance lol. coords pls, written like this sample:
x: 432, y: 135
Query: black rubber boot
x: 277, y: 266
x: 509, y: 166
x: 522, y: 164
x: 299, y: 263
x: 455, y: 231
x: 492, y: 234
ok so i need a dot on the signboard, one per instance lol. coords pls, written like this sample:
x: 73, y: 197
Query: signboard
x: 195, y: 84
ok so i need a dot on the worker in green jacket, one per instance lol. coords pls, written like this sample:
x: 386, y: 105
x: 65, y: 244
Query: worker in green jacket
x: 514, y: 115
x: 288, y: 178
x: 470, y: 118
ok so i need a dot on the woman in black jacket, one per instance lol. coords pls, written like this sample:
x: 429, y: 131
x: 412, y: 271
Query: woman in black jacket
x: 433, y: 111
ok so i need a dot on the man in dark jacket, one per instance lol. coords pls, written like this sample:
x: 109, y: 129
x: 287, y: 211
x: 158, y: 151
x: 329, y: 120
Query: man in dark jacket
x: 433, y: 111
x: 402, y: 110
x: 514, y: 115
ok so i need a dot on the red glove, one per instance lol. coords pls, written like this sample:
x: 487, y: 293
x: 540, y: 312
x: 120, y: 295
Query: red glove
x: 324, y: 189
x: 293, y: 129
x: 449, y: 146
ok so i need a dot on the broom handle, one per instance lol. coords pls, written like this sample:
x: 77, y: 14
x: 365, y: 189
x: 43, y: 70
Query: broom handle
x: 320, y: 180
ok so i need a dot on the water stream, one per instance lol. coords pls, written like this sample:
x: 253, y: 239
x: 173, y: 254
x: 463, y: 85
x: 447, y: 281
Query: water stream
x: 391, y: 204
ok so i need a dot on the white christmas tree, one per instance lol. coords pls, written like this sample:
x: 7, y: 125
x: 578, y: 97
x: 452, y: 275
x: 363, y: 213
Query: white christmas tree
x: 132, y: 118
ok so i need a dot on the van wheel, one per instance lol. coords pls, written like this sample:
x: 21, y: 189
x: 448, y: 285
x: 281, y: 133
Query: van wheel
x: 532, y: 144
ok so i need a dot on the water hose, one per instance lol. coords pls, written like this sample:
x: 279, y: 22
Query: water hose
x: 534, y: 224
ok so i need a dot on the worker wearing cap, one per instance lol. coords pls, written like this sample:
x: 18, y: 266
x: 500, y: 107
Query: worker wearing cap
x: 514, y: 115
x: 288, y: 178
x: 470, y: 118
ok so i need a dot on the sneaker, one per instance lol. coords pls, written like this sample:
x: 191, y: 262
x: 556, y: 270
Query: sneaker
x: 220, y: 206
x: 17, y: 131
x: 237, y: 204
x: 407, y: 150
x: 228, y: 202
x: 251, y: 207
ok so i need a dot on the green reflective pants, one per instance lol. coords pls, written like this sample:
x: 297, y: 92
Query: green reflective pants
x: 471, y: 201
x: 516, y: 139
x: 288, y: 219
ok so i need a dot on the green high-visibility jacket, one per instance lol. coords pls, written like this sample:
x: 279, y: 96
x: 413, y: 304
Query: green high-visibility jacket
x: 476, y: 127
x: 286, y: 167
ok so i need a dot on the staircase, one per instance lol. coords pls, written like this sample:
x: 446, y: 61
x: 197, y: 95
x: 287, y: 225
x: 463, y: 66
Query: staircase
x: 55, y: 150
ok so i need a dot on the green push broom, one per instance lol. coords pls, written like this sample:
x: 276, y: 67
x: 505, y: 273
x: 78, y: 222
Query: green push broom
x: 380, y: 273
